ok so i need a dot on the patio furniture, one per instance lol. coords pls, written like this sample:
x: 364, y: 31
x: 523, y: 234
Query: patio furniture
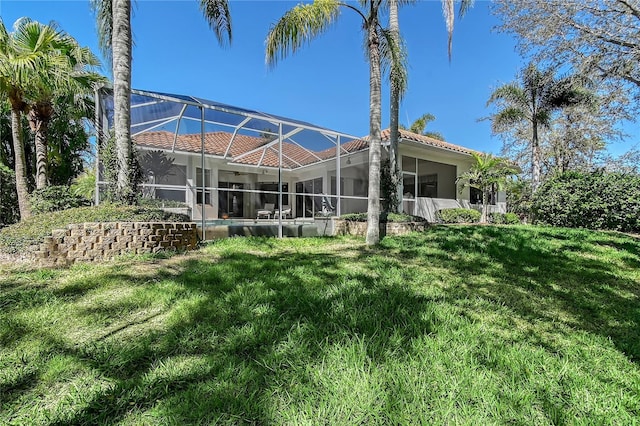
x: 266, y: 211
x: 286, y: 212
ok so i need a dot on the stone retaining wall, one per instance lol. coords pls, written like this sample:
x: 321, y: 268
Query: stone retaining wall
x: 97, y: 241
x: 347, y: 227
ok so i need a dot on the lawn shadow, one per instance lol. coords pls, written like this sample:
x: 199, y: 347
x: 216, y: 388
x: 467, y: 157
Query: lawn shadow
x: 246, y: 321
x: 537, y: 280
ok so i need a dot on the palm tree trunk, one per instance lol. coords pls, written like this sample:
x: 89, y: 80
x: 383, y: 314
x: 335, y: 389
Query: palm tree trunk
x: 375, y: 120
x: 396, y: 194
x: 485, y: 206
x: 20, y: 164
x: 536, y: 158
x: 39, y: 118
x: 121, y: 43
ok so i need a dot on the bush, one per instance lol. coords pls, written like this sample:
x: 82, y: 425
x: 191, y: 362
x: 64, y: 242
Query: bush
x: 20, y: 236
x: 594, y: 200
x: 384, y: 217
x: 9, y: 211
x: 55, y: 198
x: 504, y: 218
x: 459, y: 215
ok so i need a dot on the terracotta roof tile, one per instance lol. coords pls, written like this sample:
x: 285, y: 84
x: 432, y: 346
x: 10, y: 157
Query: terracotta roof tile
x: 426, y: 140
x: 215, y: 143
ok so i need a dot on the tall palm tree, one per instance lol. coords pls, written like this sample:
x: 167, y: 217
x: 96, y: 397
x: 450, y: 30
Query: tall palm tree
x: 486, y: 174
x: 64, y: 69
x: 398, y: 84
x: 303, y: 23
x: 14, y: 67
x: 114, y: 31
x: 533, y: 101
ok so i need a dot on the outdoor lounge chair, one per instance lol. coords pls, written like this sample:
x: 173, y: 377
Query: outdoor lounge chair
x: 266, y: 211
x: 286, y: 211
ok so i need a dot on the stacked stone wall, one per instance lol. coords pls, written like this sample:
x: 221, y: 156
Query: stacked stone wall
x: 101, y: 241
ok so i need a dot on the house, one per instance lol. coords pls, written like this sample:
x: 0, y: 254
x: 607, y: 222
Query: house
x: 222, y: 162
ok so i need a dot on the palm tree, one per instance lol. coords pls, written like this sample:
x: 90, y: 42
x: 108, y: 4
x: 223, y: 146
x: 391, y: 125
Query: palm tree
x: 114, y: 31
x: 398, y: 86
x: 305, y: 22
x: 533, y: 101
x: 487, y: 173
x: 63, y: 70
x: 14, y: 67
x: 420, y: 124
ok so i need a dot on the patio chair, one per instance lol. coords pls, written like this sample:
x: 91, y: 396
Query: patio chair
x: 286, y: 211
x: 266, y: 211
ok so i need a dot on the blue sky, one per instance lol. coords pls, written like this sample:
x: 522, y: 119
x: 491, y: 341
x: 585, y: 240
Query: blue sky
x: 325, y: 83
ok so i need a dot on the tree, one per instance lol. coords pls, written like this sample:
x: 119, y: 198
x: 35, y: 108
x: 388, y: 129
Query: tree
x: 398, y: 80
x: 69, y: 150
x: 114, y: 32
x: 596, y: 38
x: 420, y: 124
x: 304, y: 22
x: 488, y: 173
x: 532, y: 102
x: 63, y: 69
x: 14, y: 67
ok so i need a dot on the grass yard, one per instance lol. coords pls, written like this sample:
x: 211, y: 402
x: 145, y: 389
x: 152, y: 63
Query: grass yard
x: 459, y: 325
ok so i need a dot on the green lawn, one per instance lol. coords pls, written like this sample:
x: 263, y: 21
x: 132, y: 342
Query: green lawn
x: 459, y: 325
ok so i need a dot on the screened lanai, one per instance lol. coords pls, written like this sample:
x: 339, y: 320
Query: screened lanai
x: 223, y: 164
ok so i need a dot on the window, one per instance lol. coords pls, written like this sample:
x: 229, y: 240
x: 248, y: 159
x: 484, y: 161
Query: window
x: 207, y: 183
x: 408, y: 164
x: 409, y: 185
x: 428, y: 186
x: 307, y: 205
x: 231, y: 199
x: 272, y: 196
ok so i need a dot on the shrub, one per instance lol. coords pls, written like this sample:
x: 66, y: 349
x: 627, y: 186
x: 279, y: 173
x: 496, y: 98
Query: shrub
x: 459, y: 215
x: 384, y: 217
x: 504, y: 218
x: 20, y: 236
x: 596, y: 200
x: 9, y: 212
x: 55, y: 198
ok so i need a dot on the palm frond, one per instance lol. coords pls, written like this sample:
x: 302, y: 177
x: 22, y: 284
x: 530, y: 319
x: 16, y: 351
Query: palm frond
x: 299, y: 26
x: 394, y: 60
x: 216, y: 12
x: 507, y: 117
x: 449, y: 16
x: 103, y: 11
x: 421, y: 122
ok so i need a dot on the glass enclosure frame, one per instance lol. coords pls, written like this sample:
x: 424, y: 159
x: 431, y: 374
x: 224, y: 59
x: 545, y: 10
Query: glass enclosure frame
x: 263, y: 158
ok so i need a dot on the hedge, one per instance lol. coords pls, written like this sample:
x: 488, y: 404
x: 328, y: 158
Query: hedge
x: 596, y: 200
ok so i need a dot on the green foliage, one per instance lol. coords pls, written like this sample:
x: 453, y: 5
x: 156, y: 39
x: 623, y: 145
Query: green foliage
x: 68, y: 140
x: 20, y: 236
x: 519, y: 198
x: 469, y: 325
x: 85, y: 185
x: 459, y: 215
x: 8, y: 197
x: 157, y: 203
x: 109, y: 162
x: 55, y: 198
x: 390, y: 198
x: 596, y: 200
x: 504, y: 218
x: 384, y: 217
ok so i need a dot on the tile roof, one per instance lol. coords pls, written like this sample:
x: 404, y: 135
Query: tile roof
x: 215, y: 143
x: 426, y: 140
x: 257, y: 151
x: 245, y: 149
